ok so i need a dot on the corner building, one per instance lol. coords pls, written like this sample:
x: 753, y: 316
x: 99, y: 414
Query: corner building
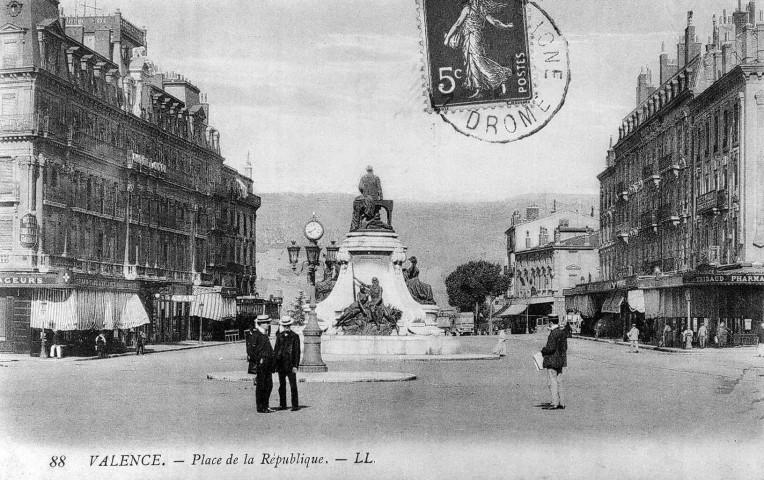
x: 116, y: 210
x: 681, y: 197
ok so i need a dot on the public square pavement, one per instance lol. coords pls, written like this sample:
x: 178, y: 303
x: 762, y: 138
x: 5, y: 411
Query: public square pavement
x: 652, y: 414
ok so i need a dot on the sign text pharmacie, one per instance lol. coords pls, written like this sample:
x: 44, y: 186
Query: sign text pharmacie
x: 743, y: 278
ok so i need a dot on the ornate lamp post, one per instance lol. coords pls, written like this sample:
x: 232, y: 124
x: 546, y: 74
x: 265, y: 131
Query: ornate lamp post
x: 313, y: 232
x: 311, y: 360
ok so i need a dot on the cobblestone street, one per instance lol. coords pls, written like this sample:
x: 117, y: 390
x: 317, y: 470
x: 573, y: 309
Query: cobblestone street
x: 674, y: 412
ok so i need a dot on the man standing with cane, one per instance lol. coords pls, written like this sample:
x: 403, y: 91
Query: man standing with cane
x: 287, y: 360
x: 555, y: 358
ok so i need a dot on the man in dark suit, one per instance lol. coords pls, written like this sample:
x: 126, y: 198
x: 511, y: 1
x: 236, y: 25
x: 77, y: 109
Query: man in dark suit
x: 287, y: 361
x: 555, y: 358
x: 250, y: 342
x: 262, y: 352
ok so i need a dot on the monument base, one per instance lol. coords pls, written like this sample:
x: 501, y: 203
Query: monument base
x: 392, y: 345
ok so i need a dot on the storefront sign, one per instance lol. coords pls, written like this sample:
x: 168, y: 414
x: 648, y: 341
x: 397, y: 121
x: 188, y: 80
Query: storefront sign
x: 105, y: 284
x: 27, y: 279
x: 141, y: 160
x: 28, y: 231
x: 740, y: 278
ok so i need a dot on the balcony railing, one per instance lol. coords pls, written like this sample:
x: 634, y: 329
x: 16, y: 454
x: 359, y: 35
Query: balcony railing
x: 713, y: 202
x: 18, y: 123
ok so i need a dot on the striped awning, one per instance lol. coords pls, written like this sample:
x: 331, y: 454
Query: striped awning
x: 68, y: 310
x: 512, y: 310
x: 613, y: 303
x: 211, y: 304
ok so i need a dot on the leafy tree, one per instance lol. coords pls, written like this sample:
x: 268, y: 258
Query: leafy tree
x: 471, y: 283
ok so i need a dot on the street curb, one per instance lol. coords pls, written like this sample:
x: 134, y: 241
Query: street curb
x: 643, y: 346
x: 326, y: 377
x: 127, y: 354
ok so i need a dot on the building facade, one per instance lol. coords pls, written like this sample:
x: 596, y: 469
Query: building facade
x: 545, y: 256
x: 680, y: 198
x: 111, y: 184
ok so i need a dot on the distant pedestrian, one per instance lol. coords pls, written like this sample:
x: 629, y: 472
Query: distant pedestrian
x: 722, y: 335
x: 760, y: 334
x: 598, y: 329
x: 263, y: 354
x: 55, y: 349
x: 101, y: 345
x: 667, y: 340
x: 687, y: 334
x: 702, y: 336
x: 140, y: 343
x: 633, y: 336
x: 555, y: 358
x: 501, y: 346
x: 287, y: 353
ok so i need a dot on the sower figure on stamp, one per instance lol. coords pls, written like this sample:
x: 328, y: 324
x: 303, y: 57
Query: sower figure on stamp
x: 263, y: 354
x: 555, y: 358
x: 287, y: 360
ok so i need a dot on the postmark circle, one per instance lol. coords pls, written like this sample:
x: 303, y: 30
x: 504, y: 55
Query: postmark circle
x: 489, y: 79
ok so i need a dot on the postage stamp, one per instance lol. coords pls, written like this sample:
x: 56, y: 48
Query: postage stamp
x: 496, y: 70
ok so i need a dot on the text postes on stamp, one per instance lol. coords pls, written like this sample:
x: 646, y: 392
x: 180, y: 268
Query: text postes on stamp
x: 496, y: 70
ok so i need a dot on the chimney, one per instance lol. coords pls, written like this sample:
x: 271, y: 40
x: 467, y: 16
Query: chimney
x: 739, y: 18
x: 716, y: 42
x: 689, y: 38
x: 645, y: 86
x: 248, y: 168
x: 532, y: 213
x: 554, y: 205
x: 592, y: 211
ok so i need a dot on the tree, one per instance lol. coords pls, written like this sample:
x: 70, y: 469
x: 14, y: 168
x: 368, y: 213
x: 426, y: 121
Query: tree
x: 471, y: 283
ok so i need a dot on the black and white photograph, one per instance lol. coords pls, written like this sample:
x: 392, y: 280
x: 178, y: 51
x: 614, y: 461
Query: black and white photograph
x: 399, y: 239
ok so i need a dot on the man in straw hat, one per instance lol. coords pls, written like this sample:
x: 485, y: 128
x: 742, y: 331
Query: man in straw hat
x: 262, y: 352
x: 287, y: 361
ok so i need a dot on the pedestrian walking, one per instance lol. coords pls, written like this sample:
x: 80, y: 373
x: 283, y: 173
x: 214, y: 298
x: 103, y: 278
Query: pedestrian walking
x: 287, y: 360
x: 55, y: 349
x: 101, y: 345
x: 722, y: 335
x: 687, y: 334
x: 760, y: 334
x: 667, y: 336
x: 633, y: 336
x: 140, y: 343
x: 555, y: 358
x: 263, y: 354
x: 501, y: 346
x: 702, y: 336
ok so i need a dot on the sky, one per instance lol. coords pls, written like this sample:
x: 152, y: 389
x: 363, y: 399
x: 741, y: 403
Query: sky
x: 315, y: 90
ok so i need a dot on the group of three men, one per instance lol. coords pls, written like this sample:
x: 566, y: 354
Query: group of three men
x: 265, y: 360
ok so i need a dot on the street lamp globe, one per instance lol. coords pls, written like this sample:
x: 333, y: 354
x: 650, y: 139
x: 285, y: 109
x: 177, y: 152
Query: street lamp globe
x: 294, y: 254
x: 331, y: 253
x: 313, y: 251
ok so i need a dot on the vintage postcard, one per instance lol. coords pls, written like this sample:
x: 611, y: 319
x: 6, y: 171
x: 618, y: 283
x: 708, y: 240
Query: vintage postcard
x: 299, y: 239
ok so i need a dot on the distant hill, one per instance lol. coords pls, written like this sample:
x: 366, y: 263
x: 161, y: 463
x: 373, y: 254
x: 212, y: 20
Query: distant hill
x: 441, y: 235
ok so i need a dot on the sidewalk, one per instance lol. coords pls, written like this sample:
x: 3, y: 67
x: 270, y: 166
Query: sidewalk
x: 150, y: 349
x: 646, y: 346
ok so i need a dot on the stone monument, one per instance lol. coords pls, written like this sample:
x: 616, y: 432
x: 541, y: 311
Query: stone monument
x: 371, y: 293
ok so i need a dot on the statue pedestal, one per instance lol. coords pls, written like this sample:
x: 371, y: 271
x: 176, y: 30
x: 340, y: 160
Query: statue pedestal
x: 366, y: 255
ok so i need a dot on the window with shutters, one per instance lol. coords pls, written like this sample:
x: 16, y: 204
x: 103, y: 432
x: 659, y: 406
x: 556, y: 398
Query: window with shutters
x: 9, y: 105
x: 11, y: 52
x: 6, y: 233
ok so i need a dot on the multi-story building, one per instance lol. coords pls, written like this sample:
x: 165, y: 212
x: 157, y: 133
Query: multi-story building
x: 112, y: 186
x: 545, y: 256
x: 682, y: 208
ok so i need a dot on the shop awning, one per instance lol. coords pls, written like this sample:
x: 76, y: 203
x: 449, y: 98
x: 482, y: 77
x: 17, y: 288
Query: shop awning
x: 613, y: 303
x: 581, y: 303
x: 210, y: 303
x: 636, y: 299
x: 68, y: 310
x: 511, y: 310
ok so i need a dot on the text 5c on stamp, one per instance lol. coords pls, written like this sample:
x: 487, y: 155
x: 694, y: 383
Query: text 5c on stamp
x: 496, y: 70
